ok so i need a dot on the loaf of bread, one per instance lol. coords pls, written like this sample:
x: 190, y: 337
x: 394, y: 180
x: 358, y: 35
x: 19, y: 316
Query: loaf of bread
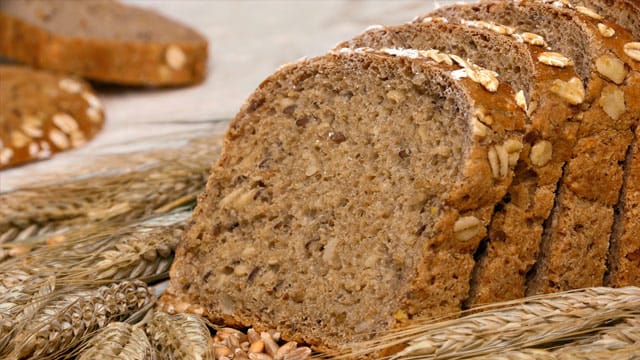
x: 352, y: 192
x: 576, y: 239
x: 516, y: 229
x: 396, y: 177
x: 43, y: 113
x: 102, y: 40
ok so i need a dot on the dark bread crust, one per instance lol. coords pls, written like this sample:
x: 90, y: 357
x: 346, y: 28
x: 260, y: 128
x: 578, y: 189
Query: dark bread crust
x: 594, y: 174
x: 130, y: 55
x: 437, y: 282
x: 44, y: 113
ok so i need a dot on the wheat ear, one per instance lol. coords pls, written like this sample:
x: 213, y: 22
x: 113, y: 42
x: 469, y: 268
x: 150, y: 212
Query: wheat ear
x: 142, y: 251
x: 507, y: 326
x: 68, y: 316
x: 180, y: 336
x: 36, y: 214
x: 118, y: 340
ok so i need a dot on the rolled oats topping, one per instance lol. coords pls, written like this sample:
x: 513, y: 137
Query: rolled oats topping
x: 611, y: 68
x: 572, y: 91
x: 632, y: 49
x: 605, y: 30
x: 554, y: 59
x: 589, y: 12
x: 521, y: 101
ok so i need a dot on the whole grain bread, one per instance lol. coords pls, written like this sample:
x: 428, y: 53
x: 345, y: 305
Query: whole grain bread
x: 102, y: 40
x: 43, y: 113
x: 576, y: 238
x: 515, y: 233
x: 352, y: 192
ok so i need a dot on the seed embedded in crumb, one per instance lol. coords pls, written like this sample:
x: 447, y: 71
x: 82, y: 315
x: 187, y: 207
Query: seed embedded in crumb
x: 175, y: 57
x: 336, y: 136
x: 466, y: 228
x: 70, y: 86
x: 541, y: 153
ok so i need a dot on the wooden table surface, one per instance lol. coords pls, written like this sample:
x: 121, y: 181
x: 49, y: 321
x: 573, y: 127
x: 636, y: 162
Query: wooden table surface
x: 248, y: 40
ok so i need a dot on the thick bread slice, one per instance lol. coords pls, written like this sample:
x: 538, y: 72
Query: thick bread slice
x: 352, y: 191
x: 576, y: 238
x: 516, y: 229
x: 102, y: 40
x: 43, y: 113
x: 624, y: 249
x: 624, y: 252
x: 624, y: 12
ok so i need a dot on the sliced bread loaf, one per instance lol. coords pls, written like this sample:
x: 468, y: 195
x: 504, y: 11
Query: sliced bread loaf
x: 352, y: 192
x: 515, y: 233
x: 576, y: 239
x: 43, y: 113
x: 102, y: 40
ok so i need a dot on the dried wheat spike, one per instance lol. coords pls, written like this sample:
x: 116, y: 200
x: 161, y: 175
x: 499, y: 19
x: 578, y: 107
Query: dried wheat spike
x: 508, y: 326
x: 165, y: 181
x: 142, y: 251
x: 620, y: 341
x: 141, y: 255
x: 118, y: 340
x: 67, y: 317
x: 179, y: 337
x: 19, y: 301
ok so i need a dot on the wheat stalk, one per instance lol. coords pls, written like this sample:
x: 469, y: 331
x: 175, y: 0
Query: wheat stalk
x: 142, y: 251
x: 180, y: 336
x: 118, y: 340
x: 68, y: 316
x: 619, y: 341
x: 38, y: 214
x: 507, y: 326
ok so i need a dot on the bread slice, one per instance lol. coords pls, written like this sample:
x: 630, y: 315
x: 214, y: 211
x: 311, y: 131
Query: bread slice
x: 43, y: 113
x: 624, y: 252
x: 624, y: 12
x: 515, y: 233
x: 352, y: 191
x: 102, y: 40
x: 576, y: 239
x: 624, y: 249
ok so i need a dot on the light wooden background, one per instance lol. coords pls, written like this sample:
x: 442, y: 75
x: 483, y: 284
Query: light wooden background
x: 248, y: 41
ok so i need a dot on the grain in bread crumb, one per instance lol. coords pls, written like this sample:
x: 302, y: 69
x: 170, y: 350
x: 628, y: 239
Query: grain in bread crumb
x: 175, y: 57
